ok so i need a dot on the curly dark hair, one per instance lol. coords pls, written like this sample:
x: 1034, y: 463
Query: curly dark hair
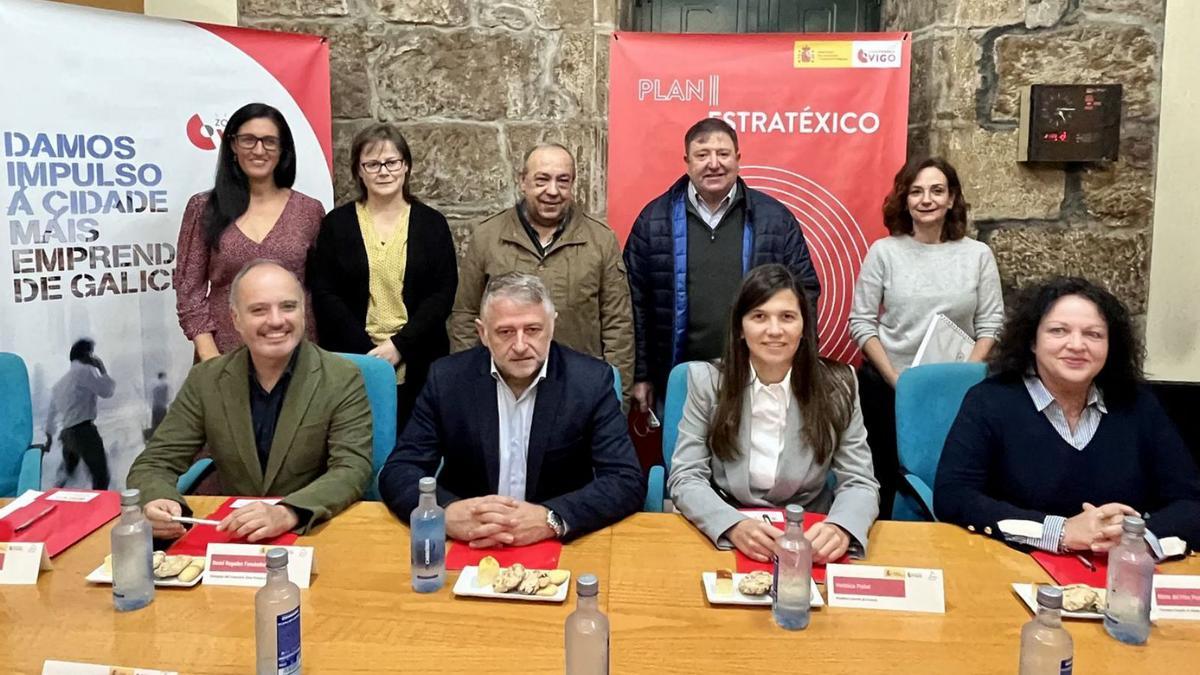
x: 895, y: 206
x: 1013, y: 356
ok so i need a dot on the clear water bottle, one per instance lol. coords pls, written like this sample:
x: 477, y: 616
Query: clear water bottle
x: 277, y: 619
x: 428, y: 523
x: 791, y: 590
x: 1130, y: 577
x: 587, y: 631
x: 132, y: 556
x: 1046, y: 647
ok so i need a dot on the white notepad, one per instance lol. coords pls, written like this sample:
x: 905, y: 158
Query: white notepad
x: 944, y: 342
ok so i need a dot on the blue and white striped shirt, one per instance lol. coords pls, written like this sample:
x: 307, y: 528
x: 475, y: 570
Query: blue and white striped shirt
x: 1089, y: 420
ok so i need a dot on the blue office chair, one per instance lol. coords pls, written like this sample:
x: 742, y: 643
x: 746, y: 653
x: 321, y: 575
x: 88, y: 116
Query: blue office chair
x: 927, y: 401
x: 20, y: 460
x: 380, y: 380
x: 677, y: 384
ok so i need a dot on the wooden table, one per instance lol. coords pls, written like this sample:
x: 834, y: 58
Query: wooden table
x: 361, y: 615
x: 661, y: 622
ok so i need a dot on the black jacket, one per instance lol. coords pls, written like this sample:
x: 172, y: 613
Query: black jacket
x: 656, y: 263
x: 338, y: 279
x: 580, y: 462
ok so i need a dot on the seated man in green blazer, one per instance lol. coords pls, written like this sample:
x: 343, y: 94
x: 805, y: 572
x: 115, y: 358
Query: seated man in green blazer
x: 281, y: 416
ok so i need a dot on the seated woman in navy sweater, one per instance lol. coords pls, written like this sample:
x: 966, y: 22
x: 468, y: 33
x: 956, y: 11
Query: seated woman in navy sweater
x: 1064, y: 439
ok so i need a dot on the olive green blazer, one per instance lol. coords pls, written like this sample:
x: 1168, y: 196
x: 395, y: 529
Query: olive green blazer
x: 320, y: 459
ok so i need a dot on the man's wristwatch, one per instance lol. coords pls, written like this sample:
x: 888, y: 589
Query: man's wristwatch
x: 556, y: 524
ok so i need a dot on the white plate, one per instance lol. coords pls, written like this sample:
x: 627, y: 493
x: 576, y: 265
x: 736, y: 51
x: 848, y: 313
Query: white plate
x: 466, y: 586
x: 1028, y: 594
x: 100, y: 576
x: 736, y: 598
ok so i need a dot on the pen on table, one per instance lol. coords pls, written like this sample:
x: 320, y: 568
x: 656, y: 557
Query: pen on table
x: 1086, y: 563
x: 195, y: 521
x: 767, y: 520
x: 36, y: 518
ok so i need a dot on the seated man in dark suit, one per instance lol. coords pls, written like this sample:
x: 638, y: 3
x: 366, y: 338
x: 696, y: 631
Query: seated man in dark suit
x: 281, y: 416
x: 531, y: 432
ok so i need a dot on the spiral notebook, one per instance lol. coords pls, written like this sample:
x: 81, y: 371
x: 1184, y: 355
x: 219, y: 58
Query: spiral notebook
x: 944, y: 342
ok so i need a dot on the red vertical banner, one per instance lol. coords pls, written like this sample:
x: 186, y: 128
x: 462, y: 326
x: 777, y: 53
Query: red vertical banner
x: 822, y: 123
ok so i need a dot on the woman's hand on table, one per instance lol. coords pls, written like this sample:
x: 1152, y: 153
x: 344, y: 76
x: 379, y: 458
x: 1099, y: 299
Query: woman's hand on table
x: 829, y: 542
x: 754, y: 538
x: 1097, y: 528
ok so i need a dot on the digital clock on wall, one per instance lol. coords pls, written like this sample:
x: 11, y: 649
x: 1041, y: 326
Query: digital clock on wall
x: 1070, y: 123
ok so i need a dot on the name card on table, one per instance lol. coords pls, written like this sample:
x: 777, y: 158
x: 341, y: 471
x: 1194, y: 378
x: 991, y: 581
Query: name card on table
x: 74, y: 496
x: 21, y: 562
x: 72, y: 668
x: 1175, y: 596
x: 904, y: 589
x: 247, y: 501
x: 246, y: 564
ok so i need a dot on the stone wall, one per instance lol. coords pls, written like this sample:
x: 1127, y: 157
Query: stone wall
x: 471, y: 83
x: 970, y: 59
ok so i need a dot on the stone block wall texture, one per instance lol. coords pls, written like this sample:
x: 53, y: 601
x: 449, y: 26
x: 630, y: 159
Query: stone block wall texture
x: 471, y: 83
x: 970, y: 60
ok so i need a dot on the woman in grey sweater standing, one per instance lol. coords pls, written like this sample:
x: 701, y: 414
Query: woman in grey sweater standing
x: 926, y: 267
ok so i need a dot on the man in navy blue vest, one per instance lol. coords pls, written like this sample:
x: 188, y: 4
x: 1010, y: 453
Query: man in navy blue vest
x: 689, y: 249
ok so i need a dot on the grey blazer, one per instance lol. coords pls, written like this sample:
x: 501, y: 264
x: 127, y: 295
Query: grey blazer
x: 697, y: 474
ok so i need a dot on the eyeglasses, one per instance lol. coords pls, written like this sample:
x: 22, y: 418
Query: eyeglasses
x: 373, y: 166
x: 248, y: 141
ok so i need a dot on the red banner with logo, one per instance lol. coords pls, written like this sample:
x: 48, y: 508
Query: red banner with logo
x: 822, y: 123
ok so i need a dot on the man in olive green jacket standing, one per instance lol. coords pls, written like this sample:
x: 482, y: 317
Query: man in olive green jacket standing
x: 577, y: 257
x: 281, y: 416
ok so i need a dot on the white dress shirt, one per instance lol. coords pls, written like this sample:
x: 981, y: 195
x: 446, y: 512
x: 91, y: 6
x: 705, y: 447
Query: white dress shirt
x: 768, y: 423
x: 516, y: 418
x: 73, y: 398
x: 711, y: 217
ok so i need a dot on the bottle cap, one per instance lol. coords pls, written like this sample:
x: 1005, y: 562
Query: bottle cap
x: 131, y: 497
x: 1133, y: 525
x: 276, y: 558
x: 428, y: 484
x: 587, y: 586
x: 794, y: 513
x: 1050, y: 597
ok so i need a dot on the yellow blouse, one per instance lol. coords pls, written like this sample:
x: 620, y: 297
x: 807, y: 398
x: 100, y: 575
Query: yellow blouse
x: 386, y: 313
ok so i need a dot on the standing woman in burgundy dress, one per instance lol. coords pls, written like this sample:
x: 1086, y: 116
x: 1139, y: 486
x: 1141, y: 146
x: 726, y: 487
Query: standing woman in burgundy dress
x: 252, y: 212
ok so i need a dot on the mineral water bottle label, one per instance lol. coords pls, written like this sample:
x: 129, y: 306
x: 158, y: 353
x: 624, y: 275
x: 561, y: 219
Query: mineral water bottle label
x: 774, y: 593
x: 287, y: 642
x: 1065, y: 667
x: 423, y: 560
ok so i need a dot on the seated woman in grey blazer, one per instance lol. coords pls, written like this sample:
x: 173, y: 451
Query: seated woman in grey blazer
x: 766, y: 425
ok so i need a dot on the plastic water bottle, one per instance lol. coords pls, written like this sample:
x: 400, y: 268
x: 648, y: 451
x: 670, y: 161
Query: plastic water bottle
x: 277, y: 619
x: 791, y: 590
x: 428, y: 524
x: 132, y: 556
x: 1130, y: 578
x: 587, y: 631
x: 1046, y: 647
